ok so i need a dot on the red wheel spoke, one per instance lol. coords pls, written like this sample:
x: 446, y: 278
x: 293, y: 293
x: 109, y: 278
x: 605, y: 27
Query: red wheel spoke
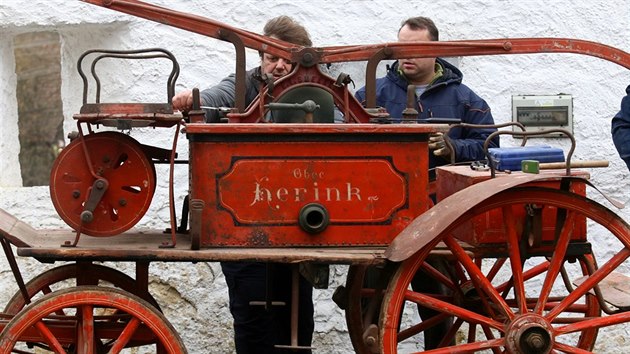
x: 439, y: 277
x: 571, y: 315
x: 85, y: 337
x: 125, y: 336
x: 445, y: 307
x: 422, y: 326
x: 488, y: 333
x: 477, y: 276
x: 450, y: 335
x: 49, y: 337
x: 495, y: 268
x: 557, y: 260
x: 515, y: 258
x: 468, y: 347
x: 597, y: 322
x: 530, y: 273
x: 590, y: 282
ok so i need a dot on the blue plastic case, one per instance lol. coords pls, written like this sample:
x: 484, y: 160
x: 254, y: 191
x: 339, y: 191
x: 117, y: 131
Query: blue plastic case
x: 509, y: 158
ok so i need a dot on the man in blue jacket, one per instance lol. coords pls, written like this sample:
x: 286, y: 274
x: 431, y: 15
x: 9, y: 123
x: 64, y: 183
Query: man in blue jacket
x: 439, y: 94
x: 621, y: 129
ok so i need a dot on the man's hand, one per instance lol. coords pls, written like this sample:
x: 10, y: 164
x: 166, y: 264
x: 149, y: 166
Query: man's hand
x: 183, y: 101
x: 438, y: 146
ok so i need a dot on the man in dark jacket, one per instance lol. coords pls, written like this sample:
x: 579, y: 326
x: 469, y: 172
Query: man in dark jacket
x: 439, y: 94
x: 621, y: 129
x: 256, y: 329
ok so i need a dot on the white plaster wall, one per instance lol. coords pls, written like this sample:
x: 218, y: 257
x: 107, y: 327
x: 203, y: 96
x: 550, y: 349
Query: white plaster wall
x: 193, y: 296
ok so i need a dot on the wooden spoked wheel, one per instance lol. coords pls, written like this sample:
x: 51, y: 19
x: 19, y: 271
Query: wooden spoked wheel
x: 66, y: 276
x: 519, y: 304
x: 94, y: 320
x: 115, y: 158
x: 356, y: 302
x: 364, y: 290
x: 363, y: 297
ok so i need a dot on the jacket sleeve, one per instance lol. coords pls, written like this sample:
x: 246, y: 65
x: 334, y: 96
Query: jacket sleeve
x: 468, y: 143
x: 621, y: 129
x: 221, y: 95
x: 360, y: 95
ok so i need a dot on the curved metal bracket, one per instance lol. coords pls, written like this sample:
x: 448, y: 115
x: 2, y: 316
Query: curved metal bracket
x: 370, y: 75
x: 239, y: 47
x: 525, y: 134
x: 149, y: 53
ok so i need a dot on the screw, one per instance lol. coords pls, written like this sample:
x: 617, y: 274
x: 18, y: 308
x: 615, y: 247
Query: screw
x: 308, y: 58
x: 122, y: 201
x: 87, y: 216
x: 370, y: 341
x: 536, y: 341
x: 76, y: 194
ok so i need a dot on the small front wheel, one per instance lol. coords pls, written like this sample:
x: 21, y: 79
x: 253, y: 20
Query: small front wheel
x: 90, y: 319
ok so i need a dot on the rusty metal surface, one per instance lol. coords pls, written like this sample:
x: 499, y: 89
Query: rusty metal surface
x: 396, y: 50
x: 144, y: 245
x: 432, y: 223
x: 135, y: 246
x: 307, y: 71
x: 369, y: 181
x: 488, y: 228
x: 254, y: 186
x: 500, y: 46
x: 321, y: 129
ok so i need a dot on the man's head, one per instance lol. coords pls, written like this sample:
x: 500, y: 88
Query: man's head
x: 288, y: 30
x: 418, y: 71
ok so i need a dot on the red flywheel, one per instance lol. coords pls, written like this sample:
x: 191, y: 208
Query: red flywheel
x: 121, y: 165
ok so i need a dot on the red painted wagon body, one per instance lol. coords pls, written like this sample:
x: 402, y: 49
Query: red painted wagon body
x: 501, y: 263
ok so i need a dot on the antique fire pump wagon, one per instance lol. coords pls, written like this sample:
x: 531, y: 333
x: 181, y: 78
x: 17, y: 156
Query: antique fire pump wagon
x: 510, y: 250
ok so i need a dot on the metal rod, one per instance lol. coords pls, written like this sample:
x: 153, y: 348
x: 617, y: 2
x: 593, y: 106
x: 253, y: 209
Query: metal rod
x: 15, y: 269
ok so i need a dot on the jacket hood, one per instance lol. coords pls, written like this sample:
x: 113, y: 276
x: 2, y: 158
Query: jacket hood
x: 450, y: 75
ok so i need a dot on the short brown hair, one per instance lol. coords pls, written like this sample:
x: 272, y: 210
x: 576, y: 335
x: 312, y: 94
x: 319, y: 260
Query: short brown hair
x: 422, y: 23
x: 287, y: 29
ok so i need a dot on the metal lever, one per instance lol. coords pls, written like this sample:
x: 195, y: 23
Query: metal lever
x: 96, y: 194
x: 307, y: 107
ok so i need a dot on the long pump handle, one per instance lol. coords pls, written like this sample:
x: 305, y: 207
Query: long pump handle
x: 395, y: 50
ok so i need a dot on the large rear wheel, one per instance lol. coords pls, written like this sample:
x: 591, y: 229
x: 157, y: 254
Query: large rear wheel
x: 524, y: 300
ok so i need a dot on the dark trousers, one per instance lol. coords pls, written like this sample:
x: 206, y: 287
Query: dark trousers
x: 256, y: 329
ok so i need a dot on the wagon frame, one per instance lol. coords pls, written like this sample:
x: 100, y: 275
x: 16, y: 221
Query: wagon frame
x: 543, y: 217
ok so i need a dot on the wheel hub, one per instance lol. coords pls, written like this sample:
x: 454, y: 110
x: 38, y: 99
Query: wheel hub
x: 529, y: 334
